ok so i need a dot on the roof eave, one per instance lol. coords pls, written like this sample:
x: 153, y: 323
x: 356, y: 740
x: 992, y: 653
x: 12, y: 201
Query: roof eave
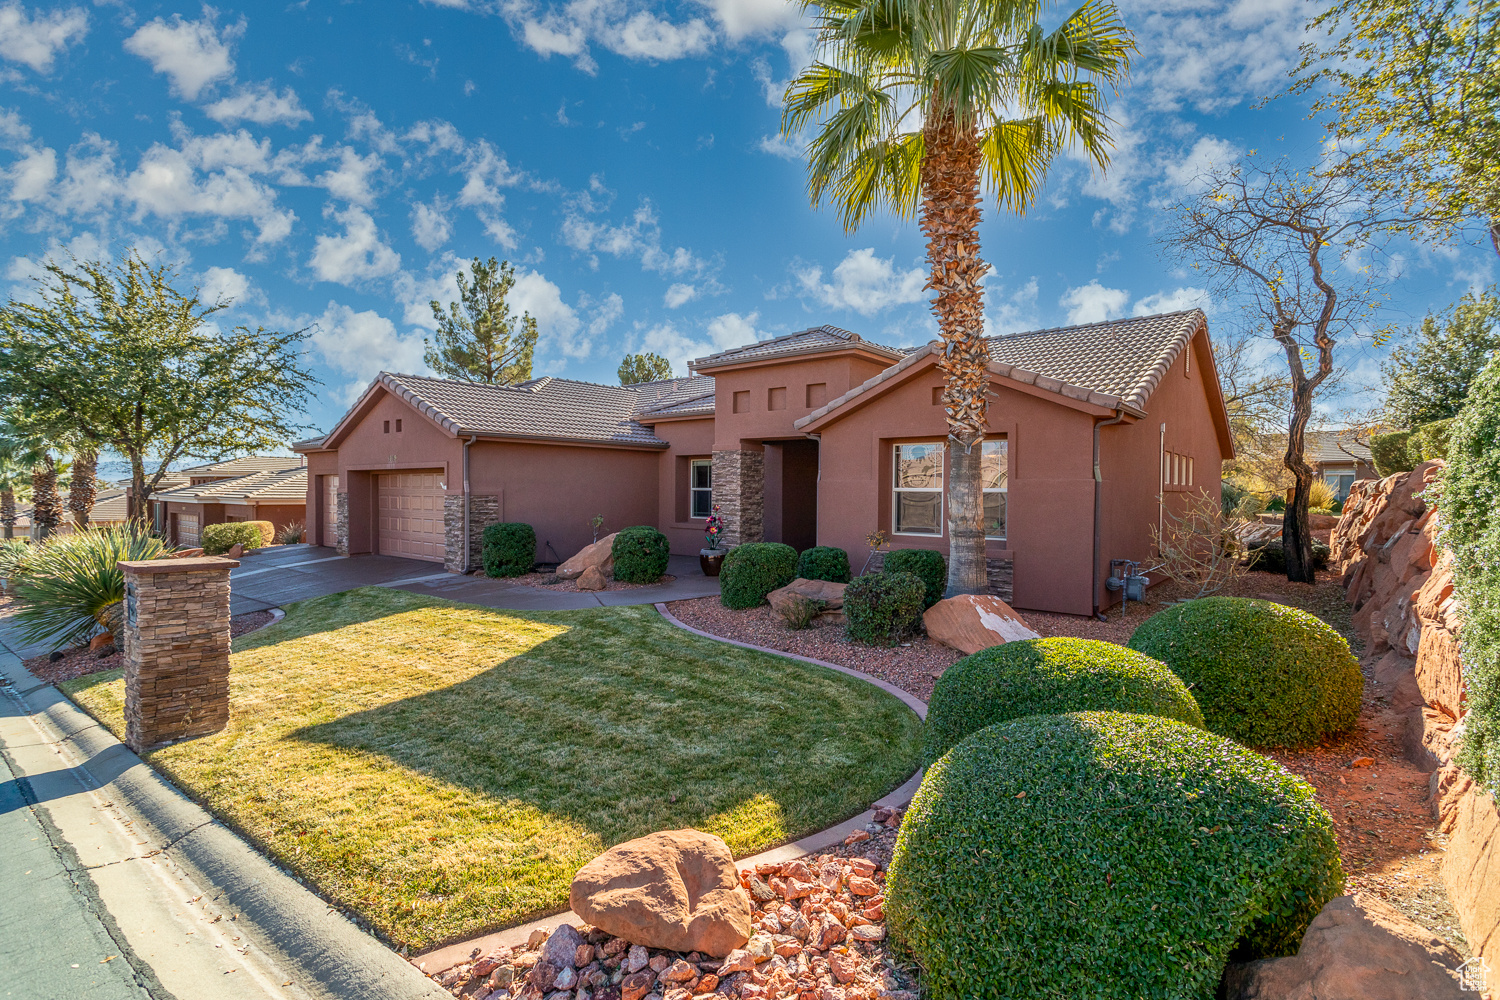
x: 730, y: 363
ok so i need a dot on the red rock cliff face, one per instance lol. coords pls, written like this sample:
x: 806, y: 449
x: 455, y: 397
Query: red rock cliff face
x: 1400, y: 581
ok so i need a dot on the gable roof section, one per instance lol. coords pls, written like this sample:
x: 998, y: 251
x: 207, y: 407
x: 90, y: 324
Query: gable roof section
x: 1328, y: 447
x: 677, y: 397
x: 814, y: 340
x: 240, y: 466
x: 276, y: 486
x: 548, y: 409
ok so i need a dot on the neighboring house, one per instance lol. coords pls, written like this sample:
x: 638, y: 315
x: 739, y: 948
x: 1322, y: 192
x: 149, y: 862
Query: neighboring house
x: 109, y: 508
x: 818, y: 437
x: 1339, y: 460
x: 257, y: 488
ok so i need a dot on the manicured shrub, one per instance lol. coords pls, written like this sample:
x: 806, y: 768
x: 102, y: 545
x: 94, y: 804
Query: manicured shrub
x: 1433, y: 439
x: 883, y: 608
x: 824, y: 562
x: 753, y: 570
x: 218, y: 539
x: 507, y: 548
x: 1104, y: 855
x: 267, y: 532
x: 1049, y: 677
x: 926, y: 565
x: 1468, y: 493
x: 1263, y: 673
x: 1393, y: 453
x: 73, y: 583
x: 640, y: 554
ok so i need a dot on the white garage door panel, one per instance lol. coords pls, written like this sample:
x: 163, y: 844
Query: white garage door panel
x: 187, y: 531
x: 411, y: 515
x: 331, y: 511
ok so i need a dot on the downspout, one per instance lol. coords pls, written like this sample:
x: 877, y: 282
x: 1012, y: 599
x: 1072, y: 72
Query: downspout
x: 1118, y: 418
x: 468, y: 542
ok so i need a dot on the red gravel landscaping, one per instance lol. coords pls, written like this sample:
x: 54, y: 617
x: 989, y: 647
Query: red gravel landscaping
x: 77, y: 662
x: 549, y: 581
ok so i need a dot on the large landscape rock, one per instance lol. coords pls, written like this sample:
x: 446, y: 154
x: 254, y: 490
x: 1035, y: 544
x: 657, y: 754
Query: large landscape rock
x: 600, y: 555
x: 830, y: 593
x: 677, y: 889
x: 592, y: 579
x: 1358, y: 948
x: 971, y: 622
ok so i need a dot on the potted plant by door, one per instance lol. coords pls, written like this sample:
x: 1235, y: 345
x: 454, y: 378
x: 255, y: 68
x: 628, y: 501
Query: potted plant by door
x: 711, y: 556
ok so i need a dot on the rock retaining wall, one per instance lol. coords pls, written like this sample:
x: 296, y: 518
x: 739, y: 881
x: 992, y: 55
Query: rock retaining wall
x: 1400, y: 581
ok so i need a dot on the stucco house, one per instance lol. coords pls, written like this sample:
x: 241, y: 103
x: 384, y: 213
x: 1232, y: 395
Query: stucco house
x: 255, y: 488
x: 817, y: 437
x: 1339, y: 460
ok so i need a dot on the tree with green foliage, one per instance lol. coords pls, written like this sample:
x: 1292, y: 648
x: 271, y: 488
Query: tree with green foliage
x: 1413, y: 82
x: 479, y: 338
x: 114, y: 356
x: 914, y: 104
x: 644, y: 367
x: 1428, y: 373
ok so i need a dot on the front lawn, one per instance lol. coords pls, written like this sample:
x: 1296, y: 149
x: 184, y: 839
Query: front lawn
x: 443, y: 769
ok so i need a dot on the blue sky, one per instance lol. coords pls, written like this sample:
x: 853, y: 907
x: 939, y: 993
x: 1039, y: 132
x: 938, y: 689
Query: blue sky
x: 330, y: 165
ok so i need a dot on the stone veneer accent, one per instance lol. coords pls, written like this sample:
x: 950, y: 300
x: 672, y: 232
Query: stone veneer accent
x: 483, y: 511
x: 176, y: 649
x: 1001, y: 574
x: 341, y: 523
x: 739, y: 479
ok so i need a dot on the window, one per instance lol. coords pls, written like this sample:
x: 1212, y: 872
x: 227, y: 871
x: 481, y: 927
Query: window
x: 701, y: 487
x: 993, y: 472
x: 398, y: 426
x: 917, y: 501
x: 387, y: 428
x: 742, y: 401
x: 776, y: 398
x: 1340, y: 482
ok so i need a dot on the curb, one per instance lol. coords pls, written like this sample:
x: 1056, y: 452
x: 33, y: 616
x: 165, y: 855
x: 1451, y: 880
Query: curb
x: 328, y: 956
x: 444, y: 958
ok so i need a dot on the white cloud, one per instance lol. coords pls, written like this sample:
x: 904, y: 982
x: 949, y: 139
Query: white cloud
x: 12, y: 128
x: 1094, y: 303
x: 356, y: 254
x: 1176, y: 300
x: 605, y: 313
x: 742, y: 18
x: 167, y: 182
x: 363, y: 344
x: 679, y: 294
x: 350, y: 180
x: 1185, y: 175
x: 1013, y: 312
x: 865, y: 283
x: 794, y: 148
x: 261, y: 104
x: 194, y: 54
x: 557, y: 322
x: 569, y: 29
x: 91, y: 181
x: 485, y: 173
x: 35, y: 39
x: 430, y: 225
x: 225, y: 284
x: 639, y: 238
x: 721, y: 333
x: 32, y: 175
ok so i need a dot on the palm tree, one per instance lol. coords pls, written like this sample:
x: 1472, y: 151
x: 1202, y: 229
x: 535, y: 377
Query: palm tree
x: 918, y: 102
x: 11, y: 472
x: 32, y: 455
x: 83, y: 483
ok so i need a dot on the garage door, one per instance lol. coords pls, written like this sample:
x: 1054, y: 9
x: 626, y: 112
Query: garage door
x: 331, y: 511
x: 187, y: 530
x: 411, y: 515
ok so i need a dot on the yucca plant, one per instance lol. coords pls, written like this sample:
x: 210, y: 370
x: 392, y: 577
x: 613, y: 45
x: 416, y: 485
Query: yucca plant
x: 73, y: 583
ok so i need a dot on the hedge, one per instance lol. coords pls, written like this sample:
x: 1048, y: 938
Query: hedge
x: 1433, y: 440
x: 1391, y: 452
x: 507, y: 548
x: 1468, y: 494
x: 1104, y: 855
x: 753, y: 570
x: 640, y: 554
x: 927, y: 565
x: 883, y: 608
x: 1263, y: 673
x: 824, y: 562
x: 1049, y: 677
x: 217, y: 539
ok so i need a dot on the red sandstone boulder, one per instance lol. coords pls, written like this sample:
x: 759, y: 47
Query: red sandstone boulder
x: 971, y: 622
x: 677, y: 889
x: 600, y: 555
x: 830, y: 593
x: 1358, y: 948
x: 592, y: 579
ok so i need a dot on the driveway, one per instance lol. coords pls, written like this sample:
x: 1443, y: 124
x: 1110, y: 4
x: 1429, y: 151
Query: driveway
x: 278, y: 576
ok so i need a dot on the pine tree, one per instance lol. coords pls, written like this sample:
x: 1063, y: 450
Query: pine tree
x: 478, y: 338
x: 644, y: 367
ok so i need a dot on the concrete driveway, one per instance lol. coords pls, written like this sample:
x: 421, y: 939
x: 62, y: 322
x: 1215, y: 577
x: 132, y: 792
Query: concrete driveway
x: 278, y: 576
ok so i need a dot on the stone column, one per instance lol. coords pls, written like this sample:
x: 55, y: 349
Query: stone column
x: 739, y: 489
x: 483, y: 511
x: 176, y: 649
x: 341, y: 523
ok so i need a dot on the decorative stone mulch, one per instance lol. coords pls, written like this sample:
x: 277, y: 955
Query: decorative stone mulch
x: 549, y: 581
x: 819, y: 934
x: 81, y: 661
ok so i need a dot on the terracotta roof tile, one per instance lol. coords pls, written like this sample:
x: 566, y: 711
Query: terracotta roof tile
x: 240, y: 466
x: 809, y: 341
x: 286, y: 485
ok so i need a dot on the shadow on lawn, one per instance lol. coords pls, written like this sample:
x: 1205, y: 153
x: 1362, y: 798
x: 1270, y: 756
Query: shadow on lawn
x: 625, y: 725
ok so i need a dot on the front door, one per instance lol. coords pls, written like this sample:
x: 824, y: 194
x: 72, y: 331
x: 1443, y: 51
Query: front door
x: 330, y: 511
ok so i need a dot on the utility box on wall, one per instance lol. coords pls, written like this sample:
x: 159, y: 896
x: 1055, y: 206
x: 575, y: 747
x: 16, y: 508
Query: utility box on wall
x: 176, y: 649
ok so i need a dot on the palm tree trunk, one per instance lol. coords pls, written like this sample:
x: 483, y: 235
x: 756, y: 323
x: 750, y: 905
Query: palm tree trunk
x: 46, y: 505
x: 8, y: 511
x: 950, y: 219
x: 83, y: 488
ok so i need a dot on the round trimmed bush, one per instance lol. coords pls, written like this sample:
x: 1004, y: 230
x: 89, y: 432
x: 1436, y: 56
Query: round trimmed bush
x: 883, y: 608
x: 753, y: 570
x: 824, y: 562
x: 508, y: 549
x: 1264, y: 674
x: 1104, y: 855
x: 217, y: 539
x: 640, y: 554
x: 1049, y: 677
x: 926, y: 565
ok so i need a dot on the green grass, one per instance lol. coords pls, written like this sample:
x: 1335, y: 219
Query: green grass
x: 443, y: 769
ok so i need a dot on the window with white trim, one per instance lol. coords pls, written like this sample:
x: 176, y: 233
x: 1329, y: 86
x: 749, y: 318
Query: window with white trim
x: 993, y: 472
x: 701, y: 487
x: 917, y: 490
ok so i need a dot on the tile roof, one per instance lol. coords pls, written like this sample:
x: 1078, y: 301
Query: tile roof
x: 109, y: 506
x: 1334, y: 446
x: 677, y: 397
x: 809, y: 341
x: 241, y: 466
x: 546, y: 408
x: 287, y: 485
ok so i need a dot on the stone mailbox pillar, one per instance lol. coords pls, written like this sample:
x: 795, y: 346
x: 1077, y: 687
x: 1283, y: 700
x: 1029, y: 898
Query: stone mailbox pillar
x: 176, y: 649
